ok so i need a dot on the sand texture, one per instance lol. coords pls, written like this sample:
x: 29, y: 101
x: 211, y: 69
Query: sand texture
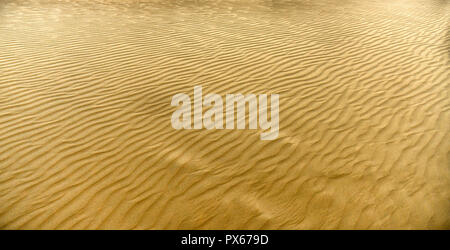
x: 86, y: 140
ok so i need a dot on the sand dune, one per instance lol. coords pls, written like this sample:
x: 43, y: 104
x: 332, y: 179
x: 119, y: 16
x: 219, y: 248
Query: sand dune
x: 86, y: 140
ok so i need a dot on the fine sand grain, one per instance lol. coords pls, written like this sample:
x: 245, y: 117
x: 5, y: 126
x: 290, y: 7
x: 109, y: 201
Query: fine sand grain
x: 86, y: 140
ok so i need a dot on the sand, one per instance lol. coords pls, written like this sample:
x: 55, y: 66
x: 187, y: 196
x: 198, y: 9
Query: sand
x: 86, y: 140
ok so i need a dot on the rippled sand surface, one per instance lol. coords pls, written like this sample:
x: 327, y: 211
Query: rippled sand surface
x: 86, y: 140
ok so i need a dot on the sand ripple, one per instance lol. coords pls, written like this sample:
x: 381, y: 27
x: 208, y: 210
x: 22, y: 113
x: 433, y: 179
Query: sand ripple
x: 86, y: 140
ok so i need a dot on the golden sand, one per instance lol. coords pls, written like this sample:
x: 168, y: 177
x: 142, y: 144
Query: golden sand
x: 86, y: 140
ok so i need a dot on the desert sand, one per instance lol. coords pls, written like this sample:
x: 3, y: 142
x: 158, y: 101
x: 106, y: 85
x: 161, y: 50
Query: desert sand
x: 86, y: 140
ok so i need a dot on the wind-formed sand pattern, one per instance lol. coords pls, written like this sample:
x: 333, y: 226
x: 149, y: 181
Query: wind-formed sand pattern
x: 86, y: 140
